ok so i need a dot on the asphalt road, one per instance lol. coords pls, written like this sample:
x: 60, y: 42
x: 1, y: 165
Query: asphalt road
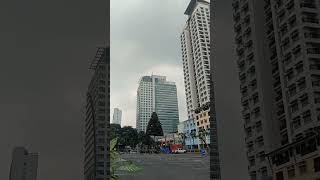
x: 168, y: 167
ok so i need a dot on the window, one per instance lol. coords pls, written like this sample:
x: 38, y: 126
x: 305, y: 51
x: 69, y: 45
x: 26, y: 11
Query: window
x: 256, y: 112
x: 292, y: 90
x: 296, y: 122
x: 304, y: 100
x: 294, y: 106
x: 259, y: 141
x: 316, y: 164
x: 291, y: 171
x: 302, y: 167
x: 306, y: 116
x: 290, y: 74
x: 258, y: 126
x: 279, y: 176
x: 262, y: 156
x: 301, y: 83
x: 264, y: 172
x: 253, y: 175
x: 255, y: 98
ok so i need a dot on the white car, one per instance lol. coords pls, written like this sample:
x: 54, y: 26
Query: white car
x: 180, y: 151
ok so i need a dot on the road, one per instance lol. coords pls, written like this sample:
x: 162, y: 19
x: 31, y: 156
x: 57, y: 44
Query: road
x: 169, y: 166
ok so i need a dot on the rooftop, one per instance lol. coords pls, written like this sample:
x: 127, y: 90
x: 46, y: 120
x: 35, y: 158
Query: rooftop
x: 193, y: 4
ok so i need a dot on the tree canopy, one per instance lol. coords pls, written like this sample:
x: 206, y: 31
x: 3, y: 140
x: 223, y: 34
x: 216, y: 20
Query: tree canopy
x: 154, y: 127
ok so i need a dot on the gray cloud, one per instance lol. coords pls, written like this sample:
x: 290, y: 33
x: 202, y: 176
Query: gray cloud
x: 145, y: 40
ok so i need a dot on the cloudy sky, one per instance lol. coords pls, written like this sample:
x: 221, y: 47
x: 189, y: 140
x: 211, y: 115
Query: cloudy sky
x: 145, y: 40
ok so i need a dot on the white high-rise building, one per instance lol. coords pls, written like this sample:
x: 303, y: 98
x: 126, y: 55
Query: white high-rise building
x: 117, y: 115
x: 195, y: 44
x: 156, y: 94
x: 24, y: 165
x: 278, y: 48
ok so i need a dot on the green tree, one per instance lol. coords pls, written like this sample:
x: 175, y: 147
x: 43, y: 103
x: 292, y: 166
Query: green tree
x: 128, y: 136
x: 183, y: 137
x: 154, y: 127
x: 193, y: 135
x: 114, y: 130
x: 144, y: 139
x: 202, y: 135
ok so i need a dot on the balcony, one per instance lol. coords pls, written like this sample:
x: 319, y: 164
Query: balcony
x: 236, y: 17
x: 314, y: 67
x: 316, y: 83
x: 235, y: 5
x: 313, y: 50
x: 310, y: 4
x: 311, y: 20
x: 313, y: 34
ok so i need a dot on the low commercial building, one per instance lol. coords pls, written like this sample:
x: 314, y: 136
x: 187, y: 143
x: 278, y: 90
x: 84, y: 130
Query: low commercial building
x: 189, y: 129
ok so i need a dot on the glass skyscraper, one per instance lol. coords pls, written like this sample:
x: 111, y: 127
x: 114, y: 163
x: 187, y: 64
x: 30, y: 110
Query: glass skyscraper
x: 156, y: 94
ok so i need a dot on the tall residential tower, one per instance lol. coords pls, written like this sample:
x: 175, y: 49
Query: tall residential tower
x: 96, y: 159
x: 278, y: 48
x: 24, y: 165
x: 195, y: 45
x: 156, y: 94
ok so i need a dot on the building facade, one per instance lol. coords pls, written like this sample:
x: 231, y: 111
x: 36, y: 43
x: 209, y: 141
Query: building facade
x: 97, y: 120
x: 24, y: 165
x: 156, y: 94
x: 117, y: 115
x: 195, y: 45
x: 189, y: 128
x: 278, y: 51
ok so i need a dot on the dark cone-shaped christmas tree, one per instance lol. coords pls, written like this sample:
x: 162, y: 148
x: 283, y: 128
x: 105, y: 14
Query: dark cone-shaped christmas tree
x: 154, y: 127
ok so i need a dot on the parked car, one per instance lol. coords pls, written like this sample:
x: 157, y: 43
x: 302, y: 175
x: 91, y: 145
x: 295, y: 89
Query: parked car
x: 179, y: 151
x: 133, y: 151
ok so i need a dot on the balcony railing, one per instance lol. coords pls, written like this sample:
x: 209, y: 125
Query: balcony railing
x: 307, y: 5
x: 313, y: 51
x: 312, y: 35
x: 310, y: 20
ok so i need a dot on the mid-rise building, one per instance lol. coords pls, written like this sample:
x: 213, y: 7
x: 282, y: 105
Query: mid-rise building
x: 97, y: 120
x: 278, y: 51
x: 24, y: 165
x: 117, y: 115
x: 156, y: 94
x: 189, y: 129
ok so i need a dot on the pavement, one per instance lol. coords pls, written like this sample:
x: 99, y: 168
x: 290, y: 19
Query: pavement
x: 189, y: 166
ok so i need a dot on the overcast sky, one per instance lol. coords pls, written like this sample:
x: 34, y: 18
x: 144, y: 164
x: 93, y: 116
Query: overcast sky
x: 145, y: 39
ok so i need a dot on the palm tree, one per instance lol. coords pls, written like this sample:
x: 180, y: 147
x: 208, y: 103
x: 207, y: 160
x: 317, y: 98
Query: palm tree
x: 183, y: 137
x: 193, y: 135
x: 202, y: 134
